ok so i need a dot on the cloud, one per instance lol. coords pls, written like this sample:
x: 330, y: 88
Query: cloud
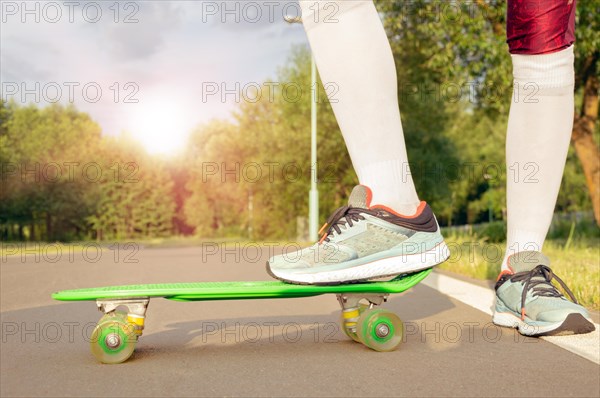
x: 17, y: 69
x: 144, y: 38
x: 168, y: 54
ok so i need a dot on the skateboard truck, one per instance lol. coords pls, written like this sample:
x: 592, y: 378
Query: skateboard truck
x: 352, y: 308
x: 351, y: 300
x: 136, y: 310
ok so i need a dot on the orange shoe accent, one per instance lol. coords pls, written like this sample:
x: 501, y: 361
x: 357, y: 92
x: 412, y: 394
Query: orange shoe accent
x: 322, y: 238
x: 420, y: 208
x: 322, y: 229
x: 505, y: 272
x: 418, y: 213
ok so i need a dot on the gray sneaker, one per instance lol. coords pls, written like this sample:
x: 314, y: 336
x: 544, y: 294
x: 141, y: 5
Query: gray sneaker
x: 362, y: 242
x: 527, y: 300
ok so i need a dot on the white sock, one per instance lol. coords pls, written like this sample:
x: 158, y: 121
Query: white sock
x: 539, y: 132
x: 352, y: 51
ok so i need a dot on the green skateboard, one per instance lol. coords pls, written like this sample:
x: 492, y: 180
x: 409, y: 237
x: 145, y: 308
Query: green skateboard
x: 124, y: 307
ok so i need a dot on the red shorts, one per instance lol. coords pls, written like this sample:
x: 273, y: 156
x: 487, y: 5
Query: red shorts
x: 540, y: 26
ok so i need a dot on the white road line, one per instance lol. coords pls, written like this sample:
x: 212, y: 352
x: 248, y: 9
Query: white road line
x: 584, y: 345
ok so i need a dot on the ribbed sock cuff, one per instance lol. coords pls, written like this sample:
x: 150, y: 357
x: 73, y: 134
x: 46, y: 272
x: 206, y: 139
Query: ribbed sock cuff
x: 544, y: 71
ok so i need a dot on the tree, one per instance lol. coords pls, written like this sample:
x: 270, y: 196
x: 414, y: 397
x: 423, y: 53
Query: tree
x: 62, y: 180
x: 263, y: 159
x: 464, y: 43
x: 587, y: 85
x: 43, y: 189
x: 134, y: 197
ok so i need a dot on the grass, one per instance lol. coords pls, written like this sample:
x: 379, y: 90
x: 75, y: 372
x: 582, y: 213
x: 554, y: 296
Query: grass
x: 50, y: 249
x: 575, y: 261
x: 42, y: 248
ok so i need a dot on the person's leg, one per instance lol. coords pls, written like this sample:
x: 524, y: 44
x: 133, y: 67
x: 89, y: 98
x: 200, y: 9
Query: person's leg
x: 540, y: 37
x: 384, y: 230
x: 353, y: 53
x: 541, y: 117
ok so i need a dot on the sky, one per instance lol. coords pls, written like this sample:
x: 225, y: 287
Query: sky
x: 155, y: 69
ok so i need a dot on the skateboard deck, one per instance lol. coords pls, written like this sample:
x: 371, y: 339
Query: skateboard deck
x: 124, y: 307
x: 200, y: 291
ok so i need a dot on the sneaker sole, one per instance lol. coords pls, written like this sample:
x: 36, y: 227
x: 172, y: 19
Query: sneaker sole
x: 376, y: 269
x: 573, y: 324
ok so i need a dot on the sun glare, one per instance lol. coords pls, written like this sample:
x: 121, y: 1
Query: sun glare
x: 162, y: 128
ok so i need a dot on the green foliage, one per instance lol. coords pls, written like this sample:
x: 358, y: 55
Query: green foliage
x: 61, y: 180
x: 134, y: 199
x: 40, y: 187
x: 588, y: 35
x: 577, y: 228
x: 251, y: 178
x: 456, y: 139
x: 454, y: 88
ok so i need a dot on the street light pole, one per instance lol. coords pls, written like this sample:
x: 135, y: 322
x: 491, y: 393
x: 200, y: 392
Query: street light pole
x: 313, y: 201
x: 313, y: 195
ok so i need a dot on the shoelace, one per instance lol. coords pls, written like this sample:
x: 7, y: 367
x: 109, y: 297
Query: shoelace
x: 342, y: 216
x: 540, y: 287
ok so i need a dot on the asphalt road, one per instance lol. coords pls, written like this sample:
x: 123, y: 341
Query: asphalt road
x: 286, y: 347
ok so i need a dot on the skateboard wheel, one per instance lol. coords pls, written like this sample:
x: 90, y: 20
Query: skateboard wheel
x: 113, y: 340
x: 379, y: 329
x: 112, y: 316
